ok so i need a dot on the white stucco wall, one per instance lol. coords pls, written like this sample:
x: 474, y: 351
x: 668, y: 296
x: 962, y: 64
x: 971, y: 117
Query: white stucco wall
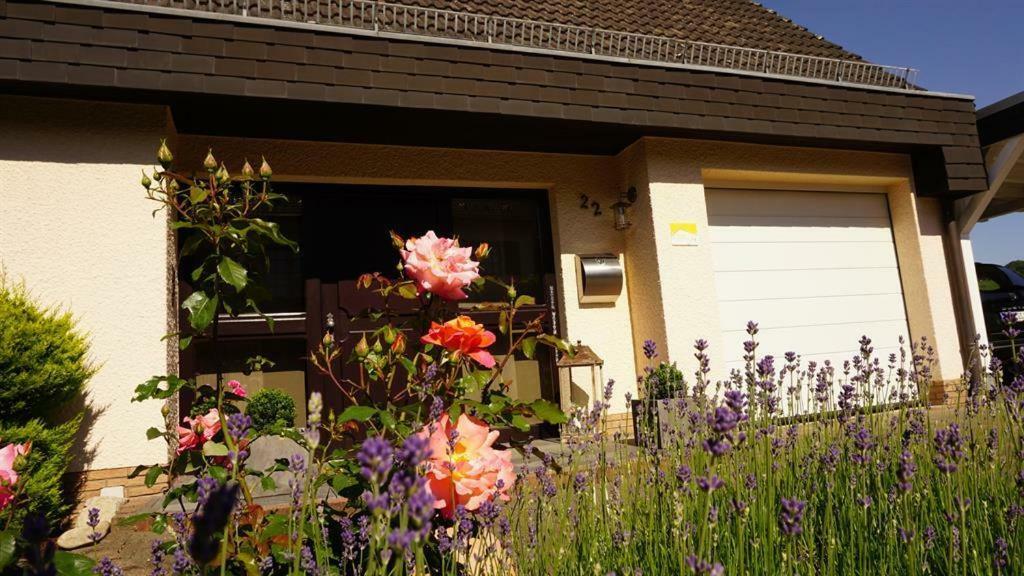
x: 76, y: 228
x: 677, y: 302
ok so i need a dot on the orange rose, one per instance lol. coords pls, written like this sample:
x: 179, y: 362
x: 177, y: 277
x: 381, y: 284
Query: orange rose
x: 463, y: 336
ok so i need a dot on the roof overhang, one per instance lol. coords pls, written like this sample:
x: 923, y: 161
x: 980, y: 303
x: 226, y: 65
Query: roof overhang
x: 1001, y: 132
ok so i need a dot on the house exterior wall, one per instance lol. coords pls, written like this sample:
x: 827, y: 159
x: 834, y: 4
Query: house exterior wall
x: 76, y: 228
x: 75, y: 168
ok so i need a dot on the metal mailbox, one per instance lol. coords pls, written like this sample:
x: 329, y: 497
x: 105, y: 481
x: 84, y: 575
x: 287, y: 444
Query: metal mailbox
x: 598, y: 278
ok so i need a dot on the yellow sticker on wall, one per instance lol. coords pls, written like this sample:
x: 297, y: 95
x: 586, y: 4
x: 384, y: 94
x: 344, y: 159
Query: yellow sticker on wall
x: 683, y: 233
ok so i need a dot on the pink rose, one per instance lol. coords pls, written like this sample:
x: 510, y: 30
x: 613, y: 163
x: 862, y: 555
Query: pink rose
x: 468, y: 471
x: 440, y: 265
x: 8, y: 476
x: 236, y: 388
x: 200, y: 430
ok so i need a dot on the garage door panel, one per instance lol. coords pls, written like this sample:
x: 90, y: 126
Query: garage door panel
x: 837, y: 342
x: 729, y: 229
x: 723, y: 202
x: 816, y: 270
x: 771, y: 314
x: 803, y: 256
x: 796, y: 284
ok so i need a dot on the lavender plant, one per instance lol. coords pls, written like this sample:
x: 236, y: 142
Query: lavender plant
x: 798, y: 468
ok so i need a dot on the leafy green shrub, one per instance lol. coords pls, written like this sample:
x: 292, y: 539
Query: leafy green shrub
x: 43, y: 358
x: 270, y: 408
x: 45, y: 466
x: 665, y: 381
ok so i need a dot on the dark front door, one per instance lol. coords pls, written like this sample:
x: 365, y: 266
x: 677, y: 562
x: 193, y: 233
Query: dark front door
x: 347, y: 235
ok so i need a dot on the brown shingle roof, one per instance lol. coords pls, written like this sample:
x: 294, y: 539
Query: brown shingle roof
x: 730, y: 22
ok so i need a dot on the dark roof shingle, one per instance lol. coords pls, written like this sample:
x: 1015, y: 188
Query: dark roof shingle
x: 729, y: 22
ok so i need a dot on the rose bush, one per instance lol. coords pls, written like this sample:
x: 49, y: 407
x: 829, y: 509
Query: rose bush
x: 419, y: 470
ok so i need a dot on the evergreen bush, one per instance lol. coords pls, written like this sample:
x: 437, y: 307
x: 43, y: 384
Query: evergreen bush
x: 44, y: 365
x: 45, y: 466
x: 43, y: 358
x: 271, y: 408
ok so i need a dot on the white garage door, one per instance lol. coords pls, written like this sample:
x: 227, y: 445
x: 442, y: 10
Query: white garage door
x: 816, y: 270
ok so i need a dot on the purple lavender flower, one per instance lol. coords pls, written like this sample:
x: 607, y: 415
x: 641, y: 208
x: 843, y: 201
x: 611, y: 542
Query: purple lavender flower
x: 307, y: 561
x: 414, y: 451
x: 683, y: 474
x: 791, y: 517
x: 703, y: 567
x: 204, y: 486
x: 106, y: 567
x: 736, y: 401
x: 650, y: 349
x: 375, y: 458
x: 723, y: 420
x: 1001, y: 556
x: 710, y: 483
x: 717, y: 446
x: 93, y: 521
x: 905, y: 471
x: 181, y: 563
x: 238, y: 425
x: 949, y: 448
x: 156, y: 558
x: 297, y: 464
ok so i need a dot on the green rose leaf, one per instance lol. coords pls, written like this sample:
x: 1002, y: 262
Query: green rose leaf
x: 520, y: 422
x: 153, y: 433
x: 215, y: 449
x: 556, y: 342
x: 197, y: 194
x: 152, y: 475
x: 69, y: 564
x: 201, y: 309
x: 529, y: 346
x: 357, y: 413
x: 525, y: 300
x: 233, y: 273
x: 548, y: 412
x: 268, y: 484
x: 8, y: 546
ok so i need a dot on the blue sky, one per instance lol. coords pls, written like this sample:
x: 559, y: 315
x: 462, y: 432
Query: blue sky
x: 968, y: 47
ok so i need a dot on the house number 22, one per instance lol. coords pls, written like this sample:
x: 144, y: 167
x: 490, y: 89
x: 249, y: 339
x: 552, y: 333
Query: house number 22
x: 587, y: 204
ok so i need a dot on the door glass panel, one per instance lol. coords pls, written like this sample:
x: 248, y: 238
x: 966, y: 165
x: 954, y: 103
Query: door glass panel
x: 512, y: 226
x: 284, y: 278
x: 287, y: 374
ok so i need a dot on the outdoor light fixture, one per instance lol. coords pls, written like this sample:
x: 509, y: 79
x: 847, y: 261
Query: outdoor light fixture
x: 626, y: 199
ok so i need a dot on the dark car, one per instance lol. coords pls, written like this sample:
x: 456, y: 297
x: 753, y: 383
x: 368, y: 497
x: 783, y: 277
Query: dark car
x: 1002, y: 293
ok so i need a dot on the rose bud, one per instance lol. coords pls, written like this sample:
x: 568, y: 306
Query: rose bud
x: 247, y: 171
x: 363, y: 347
x: 164, y: 155
x: 265, y: 171
x: 223, y: 177
x: 210, y: 163
x: 146, y: 182
x: 398, y: 347
x: 483, y: 250
x: 396, y: 240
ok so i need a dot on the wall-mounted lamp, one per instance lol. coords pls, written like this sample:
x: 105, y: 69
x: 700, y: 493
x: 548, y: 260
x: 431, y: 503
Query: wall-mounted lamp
x: 626, y: 199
